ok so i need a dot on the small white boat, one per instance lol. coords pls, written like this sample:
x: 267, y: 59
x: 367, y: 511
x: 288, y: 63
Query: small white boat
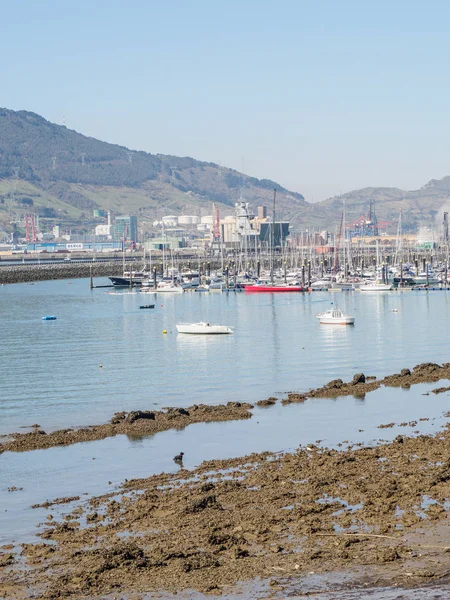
x: 335, y: 316
x: 164, y: 286
x: 376, y: 286
x: 203, y: 328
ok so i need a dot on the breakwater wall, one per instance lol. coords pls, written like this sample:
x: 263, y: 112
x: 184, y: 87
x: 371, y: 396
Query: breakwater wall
x: 23, y: 273
x: 27, y: 273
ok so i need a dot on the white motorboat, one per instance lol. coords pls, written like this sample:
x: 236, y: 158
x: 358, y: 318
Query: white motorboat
x: 203, y: 328
x: 422, y: 279
x: 376, y: 286
x: 165, y: 286
x: 335, y: 316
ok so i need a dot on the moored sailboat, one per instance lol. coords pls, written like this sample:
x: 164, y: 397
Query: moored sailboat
x: 272, y: 286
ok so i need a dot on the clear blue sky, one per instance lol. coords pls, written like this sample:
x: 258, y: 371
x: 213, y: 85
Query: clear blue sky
x: 322, y: 96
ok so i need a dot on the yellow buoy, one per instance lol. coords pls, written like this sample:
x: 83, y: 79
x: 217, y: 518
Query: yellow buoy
x: 164, y: 331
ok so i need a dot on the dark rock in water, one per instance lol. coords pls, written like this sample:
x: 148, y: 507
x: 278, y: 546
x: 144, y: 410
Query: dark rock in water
x: 335, y: 384
x: 294, y: 398
x: 118, y: 417
x: 268, y: 402
x: 426, y: 367
x: 358, y: 378
x: 441, y: 390
x: 135, y: 415
x: 405, y: 373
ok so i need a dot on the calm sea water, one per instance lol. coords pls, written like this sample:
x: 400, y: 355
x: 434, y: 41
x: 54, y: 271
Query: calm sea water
x: 50, y: 370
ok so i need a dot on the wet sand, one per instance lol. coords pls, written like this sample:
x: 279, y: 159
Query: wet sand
x: 378, y: 512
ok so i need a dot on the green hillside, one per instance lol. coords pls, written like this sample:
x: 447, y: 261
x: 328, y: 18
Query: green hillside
x: 63, y: 175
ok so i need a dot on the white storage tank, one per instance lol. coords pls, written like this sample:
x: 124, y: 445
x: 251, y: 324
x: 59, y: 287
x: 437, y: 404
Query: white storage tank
x: 185, y: 220
x: 170, y: 221
x: 188, y: 220
x: 208, y: 219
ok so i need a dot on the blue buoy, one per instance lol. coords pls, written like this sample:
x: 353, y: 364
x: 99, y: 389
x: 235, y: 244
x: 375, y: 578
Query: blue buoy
x: 49, y: 318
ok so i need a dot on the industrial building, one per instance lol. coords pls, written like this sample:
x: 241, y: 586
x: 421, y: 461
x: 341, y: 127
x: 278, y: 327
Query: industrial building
x: 244, y: 229
x: 126, y: 228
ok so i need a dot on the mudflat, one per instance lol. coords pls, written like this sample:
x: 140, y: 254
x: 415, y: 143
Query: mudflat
x: 379, y: 512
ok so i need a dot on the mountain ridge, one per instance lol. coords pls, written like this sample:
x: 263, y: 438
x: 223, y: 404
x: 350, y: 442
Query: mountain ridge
x: 85, y: 173
x: 64, y: 175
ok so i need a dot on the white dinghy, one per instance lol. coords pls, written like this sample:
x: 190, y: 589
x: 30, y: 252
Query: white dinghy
x: 203, y: 328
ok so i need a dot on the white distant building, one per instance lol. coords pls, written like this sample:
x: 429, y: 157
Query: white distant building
x: 56, y: 231
x: 170, y: 221
x: 208, y: 219
x: 188, y: 220
x: 104, y: 230
x: 238, y: 229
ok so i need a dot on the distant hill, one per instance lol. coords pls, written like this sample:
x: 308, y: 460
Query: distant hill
x: 65, y: 175
x: 420, y: 208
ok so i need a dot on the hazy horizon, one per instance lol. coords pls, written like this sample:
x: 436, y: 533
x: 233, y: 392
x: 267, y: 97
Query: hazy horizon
x: 323, y: 98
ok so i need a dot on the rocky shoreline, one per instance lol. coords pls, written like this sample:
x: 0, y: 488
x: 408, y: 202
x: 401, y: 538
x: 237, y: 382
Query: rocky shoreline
x: 378, y: 512
x: 151, y: 422
x: 136, y: 423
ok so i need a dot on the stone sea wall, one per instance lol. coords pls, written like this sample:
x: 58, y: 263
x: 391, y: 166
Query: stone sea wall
x: 26, y: 273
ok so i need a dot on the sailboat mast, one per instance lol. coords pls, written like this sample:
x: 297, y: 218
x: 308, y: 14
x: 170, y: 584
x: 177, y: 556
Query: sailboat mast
x: 272, y: 237
x: 345, y: 239
x: 163, y: 248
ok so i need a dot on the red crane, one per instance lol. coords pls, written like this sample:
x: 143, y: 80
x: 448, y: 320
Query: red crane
x: 30, y: 229
x: 216, y: 230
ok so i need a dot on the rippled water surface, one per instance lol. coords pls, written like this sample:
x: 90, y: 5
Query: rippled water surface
x: 50, y: 370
